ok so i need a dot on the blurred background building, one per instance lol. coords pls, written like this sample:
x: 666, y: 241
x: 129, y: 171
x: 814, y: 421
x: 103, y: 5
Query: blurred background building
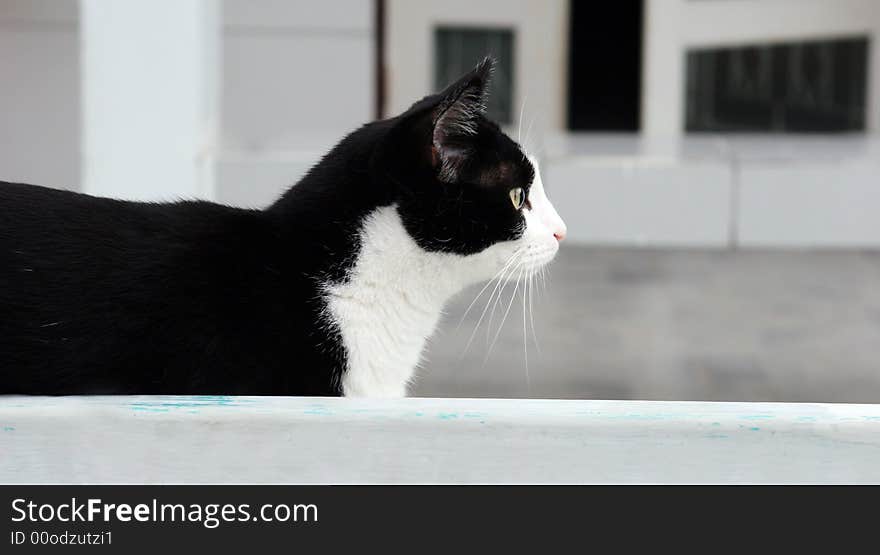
x: 716, y: 161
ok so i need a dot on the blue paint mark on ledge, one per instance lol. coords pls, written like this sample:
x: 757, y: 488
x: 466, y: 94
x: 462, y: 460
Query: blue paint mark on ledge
x: 319, y: 410
x: 475, y: 415
x: 193, y: 404
x: 143, y: 407
x: 8, y: 428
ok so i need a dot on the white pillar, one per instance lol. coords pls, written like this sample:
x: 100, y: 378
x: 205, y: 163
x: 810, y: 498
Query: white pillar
x: 150, y: 89
x: 663, y: 70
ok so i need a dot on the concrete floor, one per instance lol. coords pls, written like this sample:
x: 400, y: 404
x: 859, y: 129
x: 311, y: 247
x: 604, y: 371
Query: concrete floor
x: 677, y: 325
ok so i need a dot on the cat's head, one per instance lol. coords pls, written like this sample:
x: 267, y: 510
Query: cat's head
x: 466, y: 188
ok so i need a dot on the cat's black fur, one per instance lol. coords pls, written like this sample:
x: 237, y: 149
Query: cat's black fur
x: 107, y: 296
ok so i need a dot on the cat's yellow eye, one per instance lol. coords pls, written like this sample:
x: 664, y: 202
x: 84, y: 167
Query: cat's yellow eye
x: 517, y: 197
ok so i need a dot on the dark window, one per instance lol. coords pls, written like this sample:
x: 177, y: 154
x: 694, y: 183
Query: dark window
x: 458, y: 50
x: 791, y: 87
x: 605, y: 65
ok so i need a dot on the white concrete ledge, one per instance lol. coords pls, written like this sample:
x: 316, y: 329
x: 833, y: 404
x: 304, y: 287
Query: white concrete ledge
x: 320, y: 440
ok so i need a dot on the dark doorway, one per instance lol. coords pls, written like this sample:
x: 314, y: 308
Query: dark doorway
x: 605, y: 65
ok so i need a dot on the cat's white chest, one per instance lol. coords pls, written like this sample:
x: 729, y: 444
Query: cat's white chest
x: 383, y: 344
x: 388, y: 306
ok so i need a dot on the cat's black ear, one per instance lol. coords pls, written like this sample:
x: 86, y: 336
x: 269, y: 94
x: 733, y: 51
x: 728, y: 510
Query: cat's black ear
x: 455, y: 119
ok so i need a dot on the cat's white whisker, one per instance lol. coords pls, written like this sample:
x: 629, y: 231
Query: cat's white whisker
x: 526, y: 336
x: 532, y: 279
x: 506, y: 279
x: 497, y: 300
x: 522, y: 110
x: 506, y: 312
x: 500, y: 279
x: 483, y: 290
x: 528, y: 133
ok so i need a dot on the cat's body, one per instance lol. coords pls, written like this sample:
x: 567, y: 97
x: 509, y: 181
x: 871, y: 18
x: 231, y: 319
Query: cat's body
x: 118, y: 297
x: 332, y: 290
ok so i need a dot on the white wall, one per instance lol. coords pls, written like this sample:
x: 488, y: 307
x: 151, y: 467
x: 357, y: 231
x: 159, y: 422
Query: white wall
x: 808, y: 191
x: 717, y: 191
x: 624, y: 190
x: 540, y: 52
x: 254, y: 179
x: 674, y: 26
x: 296, y: 75
x: 295, y: 69
x: 39, y: 95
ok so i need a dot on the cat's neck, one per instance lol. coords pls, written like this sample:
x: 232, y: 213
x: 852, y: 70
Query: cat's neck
x: 388, y: 255
x: 389, y: 304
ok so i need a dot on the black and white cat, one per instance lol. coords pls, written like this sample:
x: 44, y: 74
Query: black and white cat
x: 332, y: 290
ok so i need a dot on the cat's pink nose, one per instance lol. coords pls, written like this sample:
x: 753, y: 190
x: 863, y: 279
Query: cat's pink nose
x: 560, y: 235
